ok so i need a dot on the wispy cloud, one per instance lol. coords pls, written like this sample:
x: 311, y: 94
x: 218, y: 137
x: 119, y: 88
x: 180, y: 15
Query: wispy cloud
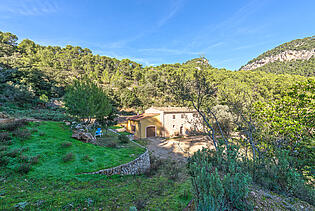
x: 249, y: 46
x: 231, y: 26
x: 29, y: 7
x: 176, y: 5
x: 169, y: 51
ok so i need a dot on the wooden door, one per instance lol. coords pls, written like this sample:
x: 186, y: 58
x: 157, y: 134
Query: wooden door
x: 150, y: 131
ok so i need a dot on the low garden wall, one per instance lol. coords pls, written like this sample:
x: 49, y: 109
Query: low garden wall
x: 137, y: 166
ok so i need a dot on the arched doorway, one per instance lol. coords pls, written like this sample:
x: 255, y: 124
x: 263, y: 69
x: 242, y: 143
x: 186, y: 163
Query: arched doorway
x: 150, y: 131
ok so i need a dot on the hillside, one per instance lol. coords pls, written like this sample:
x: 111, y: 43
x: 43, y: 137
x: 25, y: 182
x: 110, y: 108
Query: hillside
x: 294, y: 57
x: 31, y: 71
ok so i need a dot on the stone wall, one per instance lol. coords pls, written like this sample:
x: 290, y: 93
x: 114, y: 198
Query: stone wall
x: 137, y: 166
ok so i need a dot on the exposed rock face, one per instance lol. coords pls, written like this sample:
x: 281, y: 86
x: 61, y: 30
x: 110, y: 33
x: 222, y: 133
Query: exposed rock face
x: 85, y: 137
x: 284, y: 56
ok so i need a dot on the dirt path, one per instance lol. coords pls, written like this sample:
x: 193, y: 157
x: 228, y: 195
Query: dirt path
x: 177, y: 149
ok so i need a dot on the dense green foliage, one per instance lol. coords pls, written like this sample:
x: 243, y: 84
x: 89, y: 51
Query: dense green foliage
x: 86, y: 100
x: 31, y: 71
x: 290, y: 120
x: 213, y: 191
x: 275, y: 138
x: 295, y: 67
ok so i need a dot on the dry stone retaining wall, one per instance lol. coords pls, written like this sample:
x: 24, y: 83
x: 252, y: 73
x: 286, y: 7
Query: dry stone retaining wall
x: 137, y: 166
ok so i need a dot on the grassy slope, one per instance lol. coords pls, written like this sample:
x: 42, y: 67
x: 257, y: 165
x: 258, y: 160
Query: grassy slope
x: 53, y: 184
x: 48, y: 146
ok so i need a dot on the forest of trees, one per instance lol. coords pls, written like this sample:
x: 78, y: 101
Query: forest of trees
x: 296, y: 67
x: 30, y: 71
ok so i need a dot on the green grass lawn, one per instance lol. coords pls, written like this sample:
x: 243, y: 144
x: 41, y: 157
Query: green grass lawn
x: 47, y: 142
x: 54, y: 184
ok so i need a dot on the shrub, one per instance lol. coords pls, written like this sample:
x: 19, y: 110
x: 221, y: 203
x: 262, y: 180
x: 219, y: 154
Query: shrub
x: 87, y: 158
x: 4, y: 160
x: 5, y: 137
x: 68, y: 157
x: 211, y: 190
x: 14, y: 153
x: 42, y: 134
x: 35, y: 159
x: 24, y: 168
x: 140, y: 203
x: 123, y: 138
x: 111, y: 144
x: 34, y: 130
x: 155, y: 164
x: 172, y: 170
x: 3, y: 148
x: 22, y: 134
x: 13, y: 125
x: 277, y: 173
x: 66, y: 144
x: 24, y: 158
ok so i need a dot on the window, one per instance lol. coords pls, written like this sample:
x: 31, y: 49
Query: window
x: 173, y: 126
x: 195, y: 115
x: 183, y: 116
x: 133, y: 128
x: 173, y: 116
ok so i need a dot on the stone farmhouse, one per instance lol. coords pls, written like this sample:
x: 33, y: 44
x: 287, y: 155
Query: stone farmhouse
x: 164, y: 122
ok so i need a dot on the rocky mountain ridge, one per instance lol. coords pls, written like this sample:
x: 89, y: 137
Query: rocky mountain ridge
x: 288, y: 55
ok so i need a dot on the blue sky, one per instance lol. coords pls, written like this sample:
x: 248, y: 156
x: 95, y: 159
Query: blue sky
x: 227, y: 32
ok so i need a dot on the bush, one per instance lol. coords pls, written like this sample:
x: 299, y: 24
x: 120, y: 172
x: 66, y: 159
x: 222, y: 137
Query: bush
x: 34, y: 130
x: 4, y: 160
x: 41, y: 134
x: 277, y: 173
x: 3, y: 148
x: 123, y: 138
x: 213, y: 191
x: 68, y: 157
x: 22, y: 134
x: 24, y: 158
x: 172, y: 170
x: 24, y: 168
x: 13, y: 125
x: 4, y: 137
x: 111, y: 144
x: 155, y: 164
x: 66, y: 144
x: 14, y: 153
x: 35, y: 159
x: 87, y: 158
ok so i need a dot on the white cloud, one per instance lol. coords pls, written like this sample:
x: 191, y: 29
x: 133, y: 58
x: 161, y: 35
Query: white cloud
x: 176, y: 5
x: 169, y: 51
x: 29, y: 7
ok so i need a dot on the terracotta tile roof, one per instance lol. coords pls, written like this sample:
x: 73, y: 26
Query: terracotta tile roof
x: 141, y: 116
x: 174, y: 109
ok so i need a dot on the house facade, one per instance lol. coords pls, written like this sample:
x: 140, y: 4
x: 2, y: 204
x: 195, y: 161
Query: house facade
x: 164, y: 122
